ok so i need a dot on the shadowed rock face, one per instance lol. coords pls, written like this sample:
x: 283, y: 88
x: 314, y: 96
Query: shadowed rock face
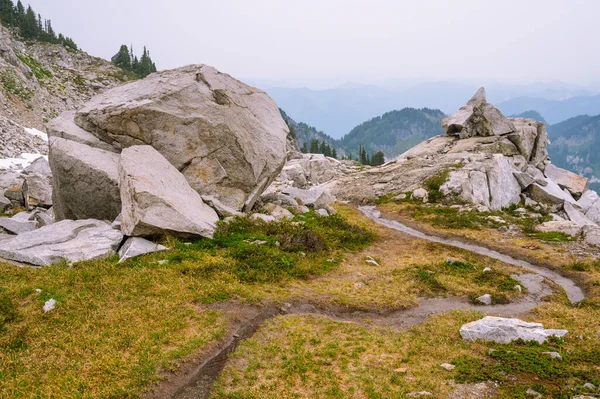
x: 228, y: 139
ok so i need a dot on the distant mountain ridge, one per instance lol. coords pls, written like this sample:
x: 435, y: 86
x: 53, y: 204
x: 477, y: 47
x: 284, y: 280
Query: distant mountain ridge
x: 392, y: 133
x: 554, y: 111
x: 530, y: 115
x: 338, y: 110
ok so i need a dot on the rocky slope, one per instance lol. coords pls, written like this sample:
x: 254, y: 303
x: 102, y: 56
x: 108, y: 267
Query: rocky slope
x: 38, y: 81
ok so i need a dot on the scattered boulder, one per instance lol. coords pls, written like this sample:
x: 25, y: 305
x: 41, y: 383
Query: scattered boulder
x: 263, y: 217
x: 566, y: 227
x: 157, y: 199
x: 49, y: 305
x: 587, y: 200
x: 65, y: 127
x: 40, y: 166
x: 37, y: 190
x: 553, y: 355
x: 16, y: 226
x: 420, y: 194
x: 505, y: 331
x: 305, y: 197
x: 221, y: 209
x: 575, y: 184
x: 85, y: 181
x: 550, y: 194
x: 325, y: 201
x: 575, y: 216
x: 322, y: 212
x: 136, y: 246
x: 64, y: 241
x: 485, y: 299
x: 591, y: 235
x: 228, y: 139
x: 278, y: 212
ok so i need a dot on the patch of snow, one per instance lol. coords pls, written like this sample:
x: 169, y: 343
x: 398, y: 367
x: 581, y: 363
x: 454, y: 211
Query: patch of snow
x: 23, y: 161
x: 35, y: 132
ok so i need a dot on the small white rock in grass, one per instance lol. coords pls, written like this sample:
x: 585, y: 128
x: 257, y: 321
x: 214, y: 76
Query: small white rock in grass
x: 534, y: 393
x: 49, y: 305
x: 518, y: 288
x: 38, y: 291
x: 163, y: 262
x: 485, y: 299
x: 487, y: 270
x: 553, y: 355
x: 589, y: 386
x: 371, y: 261
x: 359, y: 284
x: 322, y: 212
x: 447, y: 366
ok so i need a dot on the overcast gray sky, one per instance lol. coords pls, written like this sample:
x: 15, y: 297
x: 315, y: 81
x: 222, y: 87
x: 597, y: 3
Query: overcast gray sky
x: 346, y: 40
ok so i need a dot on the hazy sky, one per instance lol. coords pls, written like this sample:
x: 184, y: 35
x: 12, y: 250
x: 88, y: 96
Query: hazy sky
x: 314, y: 41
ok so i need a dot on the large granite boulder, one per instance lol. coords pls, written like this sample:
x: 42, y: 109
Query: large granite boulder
x: 157, y: 199
x: 477, y: 118
x: 228, y: 139
x: 85, y: 183
x: 65, y: 241
x: 505, y: 331
x: 575, y: 184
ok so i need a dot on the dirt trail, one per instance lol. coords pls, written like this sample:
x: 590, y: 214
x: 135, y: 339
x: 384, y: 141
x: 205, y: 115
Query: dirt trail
x: 573, y: 291
x: 198, y: 382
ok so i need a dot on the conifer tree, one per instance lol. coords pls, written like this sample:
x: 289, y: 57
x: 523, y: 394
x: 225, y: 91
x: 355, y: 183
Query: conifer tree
x: 123, y: 58
x: 314, y: 146
x: 304, y: 148
x: 334, y: 153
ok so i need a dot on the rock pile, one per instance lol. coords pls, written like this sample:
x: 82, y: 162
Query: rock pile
x: 487, y: 160
x: 226, y: 138
x: 168, y: 154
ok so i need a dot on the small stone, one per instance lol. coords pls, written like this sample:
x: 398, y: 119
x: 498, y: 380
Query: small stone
x: 450, y: 261
x: 163, y: 262
x: 401, y: 370
x: 589, y: 386
x: 420, y: 194
x: 485, y: 299
x: 518, y: 288
x: 49, y: 305
x: 487, y: 270
x: 399, y: 197
x: 534, y: 393
x: 359, y: 284
x: 38, y: 291
x: 322, y: 212
x: 371, y: 261
x: 553, y: 355
x: 447, y: 366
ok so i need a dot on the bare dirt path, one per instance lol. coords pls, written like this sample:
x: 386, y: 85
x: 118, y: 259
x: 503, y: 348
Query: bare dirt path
x: 197, y: 380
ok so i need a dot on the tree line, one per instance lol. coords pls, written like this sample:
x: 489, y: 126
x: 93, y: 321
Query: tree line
x: 127, y: 60
x: 321, y: 147
x: 31, y: 25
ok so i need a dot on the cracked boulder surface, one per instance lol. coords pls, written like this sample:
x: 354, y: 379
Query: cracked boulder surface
x: 228, y: 139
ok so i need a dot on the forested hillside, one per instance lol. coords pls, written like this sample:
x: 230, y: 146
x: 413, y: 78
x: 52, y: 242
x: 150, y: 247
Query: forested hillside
x: 395, y: 132
x: 575, y: 145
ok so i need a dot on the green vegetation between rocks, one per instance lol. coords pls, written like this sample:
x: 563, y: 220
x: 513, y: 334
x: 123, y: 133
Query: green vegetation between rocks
x: 38, y: 70
x: 116, y: 324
